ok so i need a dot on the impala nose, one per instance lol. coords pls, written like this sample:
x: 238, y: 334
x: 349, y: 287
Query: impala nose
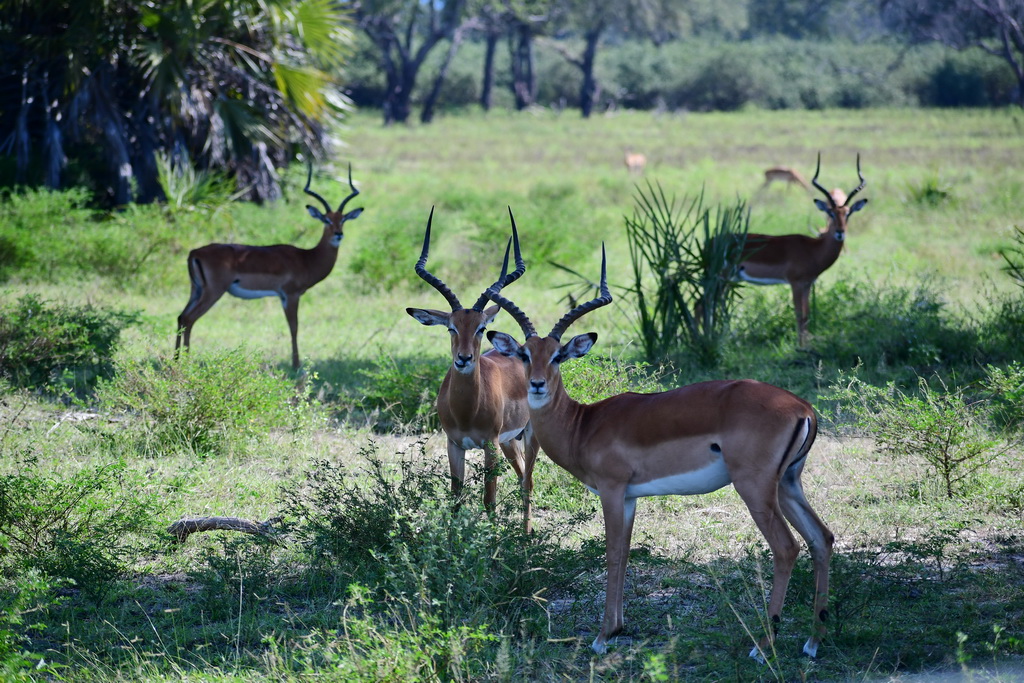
x: 462, y: 360
x: 537, y: 385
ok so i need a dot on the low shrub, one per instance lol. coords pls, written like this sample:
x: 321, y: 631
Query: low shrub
x: 206, y: 404
x: 940, y: 426
x: 57, y: 346
x: 402, y: 393
x: 85, y: 527
x: 27, y: 593
x: 396, y: 528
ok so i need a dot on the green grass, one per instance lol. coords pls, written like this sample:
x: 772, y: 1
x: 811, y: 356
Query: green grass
x: 912, y: 568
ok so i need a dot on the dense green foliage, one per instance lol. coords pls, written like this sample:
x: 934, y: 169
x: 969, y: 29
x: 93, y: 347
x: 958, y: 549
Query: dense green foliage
x: 57, y: 346
x: 705, y: 74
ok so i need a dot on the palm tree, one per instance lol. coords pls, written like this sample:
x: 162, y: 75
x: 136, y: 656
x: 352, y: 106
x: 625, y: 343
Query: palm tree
x: 238, y: 86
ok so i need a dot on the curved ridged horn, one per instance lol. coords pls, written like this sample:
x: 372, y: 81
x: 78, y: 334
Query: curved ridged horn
x: 814, y: 181
x: 859, y: 187
x: 427, y: 277
x: 503, y: 279
x: 341, y: 207
x: 572, y: 316
x: 309, y: 179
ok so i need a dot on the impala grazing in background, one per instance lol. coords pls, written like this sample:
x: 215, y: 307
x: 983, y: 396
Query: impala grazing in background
x: 635, y: 161
x: 690, y: 440
x: 798, y: 260
x: 251, y: 272
x: 482, y: 400
x: 784, y: 174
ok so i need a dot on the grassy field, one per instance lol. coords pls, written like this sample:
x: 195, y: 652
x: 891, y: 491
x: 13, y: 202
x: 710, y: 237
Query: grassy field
x: 365, y: 585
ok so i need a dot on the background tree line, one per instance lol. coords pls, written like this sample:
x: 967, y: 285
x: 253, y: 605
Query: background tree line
x: 116, y: 94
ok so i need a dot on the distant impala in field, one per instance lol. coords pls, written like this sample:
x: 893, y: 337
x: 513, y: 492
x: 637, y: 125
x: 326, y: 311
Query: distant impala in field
x: 252, y: 272
x: 798, y: 260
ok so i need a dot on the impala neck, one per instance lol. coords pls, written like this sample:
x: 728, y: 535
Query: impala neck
x: 556, y: 424
x: 465, y: 391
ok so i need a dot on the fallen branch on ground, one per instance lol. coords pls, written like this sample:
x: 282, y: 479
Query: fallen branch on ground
x: 185, y: 527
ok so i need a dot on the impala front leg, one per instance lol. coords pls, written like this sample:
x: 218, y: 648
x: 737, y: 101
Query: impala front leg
x: 619, y: 513
x: 801, y: 305
x: 291, y: 312
x: 456, y: 466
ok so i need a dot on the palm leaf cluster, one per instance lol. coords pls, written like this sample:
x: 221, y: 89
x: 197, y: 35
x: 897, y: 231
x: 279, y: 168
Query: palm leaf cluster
x: 93, y: 91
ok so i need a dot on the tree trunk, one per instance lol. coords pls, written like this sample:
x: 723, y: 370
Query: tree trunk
x: 589, y: 90
x: 487, y: 84
x: 524, y: 87
x: 427, y: 114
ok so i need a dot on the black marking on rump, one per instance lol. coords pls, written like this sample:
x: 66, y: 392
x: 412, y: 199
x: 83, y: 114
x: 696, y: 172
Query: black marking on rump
x: 715, y: 448
x: 793, y: 468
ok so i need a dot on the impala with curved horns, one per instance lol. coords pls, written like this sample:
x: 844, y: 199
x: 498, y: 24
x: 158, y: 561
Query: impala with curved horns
x: 690, y: 440
x: 798, y: 260
x: 252, y: 272
x: 482, y: 400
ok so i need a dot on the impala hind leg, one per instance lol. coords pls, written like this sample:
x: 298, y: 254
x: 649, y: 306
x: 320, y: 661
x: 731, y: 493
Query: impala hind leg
x: 819, y: 542
x: 761, y: 498
x: 201, y: 300
x: 490, y: 475
x: 524, y: 470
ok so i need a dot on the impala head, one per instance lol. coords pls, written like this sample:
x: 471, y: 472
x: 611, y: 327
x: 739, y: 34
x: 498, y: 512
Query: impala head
x: 465, y: 325
x: 542, y: 356
x: 838, y: 207
x: 333, y: 220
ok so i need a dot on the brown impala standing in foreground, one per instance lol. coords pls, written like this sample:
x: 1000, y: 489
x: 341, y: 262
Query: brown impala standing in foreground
x: 482, y: 400
x: 280, y: 270
x: 690, y: 440
x: 798, y: 260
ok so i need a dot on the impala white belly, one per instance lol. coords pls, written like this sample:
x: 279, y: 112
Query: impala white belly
x: 709, y: 478
x: 468, y: 444
x: 505, y: 437
x: 742, y: 275
x: 241, y: 292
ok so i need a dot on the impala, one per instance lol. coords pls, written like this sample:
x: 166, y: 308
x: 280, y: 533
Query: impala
x: 635, y: 161
x: 784, y: 174
x: 798, y: 260
x: 690, y: 440
x: 251, y: 272
x: 482, y: 400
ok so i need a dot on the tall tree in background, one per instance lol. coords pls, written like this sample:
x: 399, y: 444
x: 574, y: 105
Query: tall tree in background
x: 404, y: 32
x: 658, y: 20
x: 232, y: 85
x: 526, y: 20
x: 995, y: 26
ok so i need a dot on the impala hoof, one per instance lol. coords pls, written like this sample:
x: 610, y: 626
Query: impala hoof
x: 811, y: 648
x: 599, y: 646
x: 757, y: 655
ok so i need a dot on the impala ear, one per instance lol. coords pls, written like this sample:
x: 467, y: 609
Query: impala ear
x: 823, y: 206
x: 315, y: 213
x: 353, y: 214
x: 490, y: 314
x: 504, y: 343
x: 857, y: 206
x: 427, y: 316
x: 578, y: 346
